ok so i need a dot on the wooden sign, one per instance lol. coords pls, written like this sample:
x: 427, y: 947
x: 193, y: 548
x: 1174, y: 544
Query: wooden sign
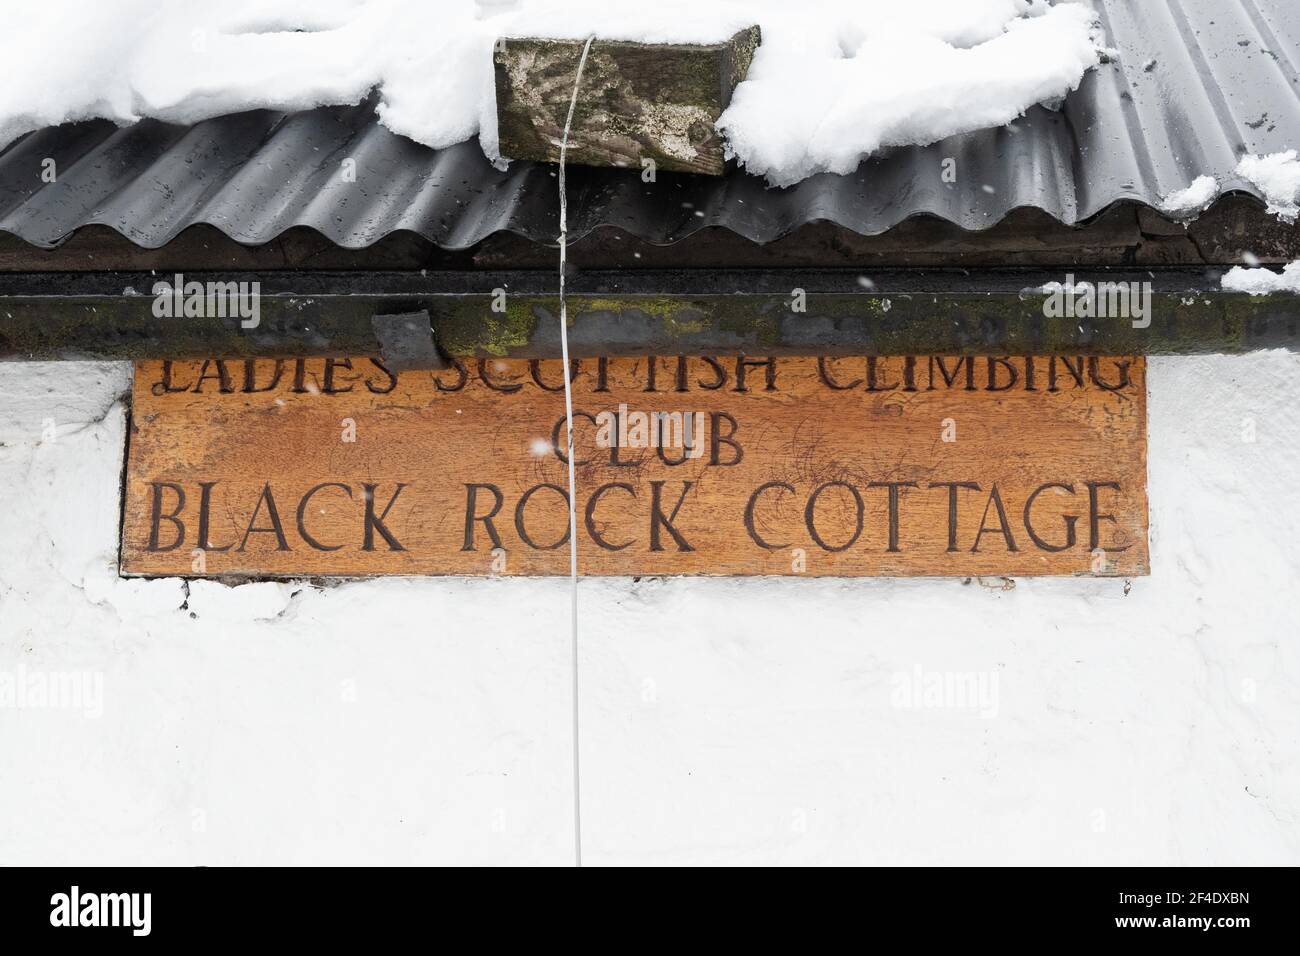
x: 695, y: 465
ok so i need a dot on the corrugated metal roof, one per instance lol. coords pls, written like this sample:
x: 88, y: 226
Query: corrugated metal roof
x: 1196, y: 84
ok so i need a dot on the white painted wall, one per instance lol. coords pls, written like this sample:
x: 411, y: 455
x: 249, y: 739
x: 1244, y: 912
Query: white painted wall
x: 724, y: 721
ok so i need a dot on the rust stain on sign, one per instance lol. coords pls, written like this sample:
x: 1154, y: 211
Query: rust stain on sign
x: 919, y: 465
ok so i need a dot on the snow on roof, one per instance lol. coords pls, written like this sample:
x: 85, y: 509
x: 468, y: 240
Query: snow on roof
x: 834, y: 80
x: 1278, y: 178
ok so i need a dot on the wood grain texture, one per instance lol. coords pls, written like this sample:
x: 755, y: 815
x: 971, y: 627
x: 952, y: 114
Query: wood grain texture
x: 638, y: 101
x: 846, y: 466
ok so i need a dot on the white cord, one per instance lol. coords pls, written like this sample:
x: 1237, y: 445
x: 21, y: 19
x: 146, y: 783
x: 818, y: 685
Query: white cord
x: 568, y: 417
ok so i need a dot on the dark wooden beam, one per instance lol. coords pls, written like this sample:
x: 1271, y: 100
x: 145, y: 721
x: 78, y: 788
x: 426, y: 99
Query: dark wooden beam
x: 515, y: 315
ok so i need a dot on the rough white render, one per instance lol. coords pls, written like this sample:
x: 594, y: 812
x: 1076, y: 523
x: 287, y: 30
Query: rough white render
x: 724, y: 721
